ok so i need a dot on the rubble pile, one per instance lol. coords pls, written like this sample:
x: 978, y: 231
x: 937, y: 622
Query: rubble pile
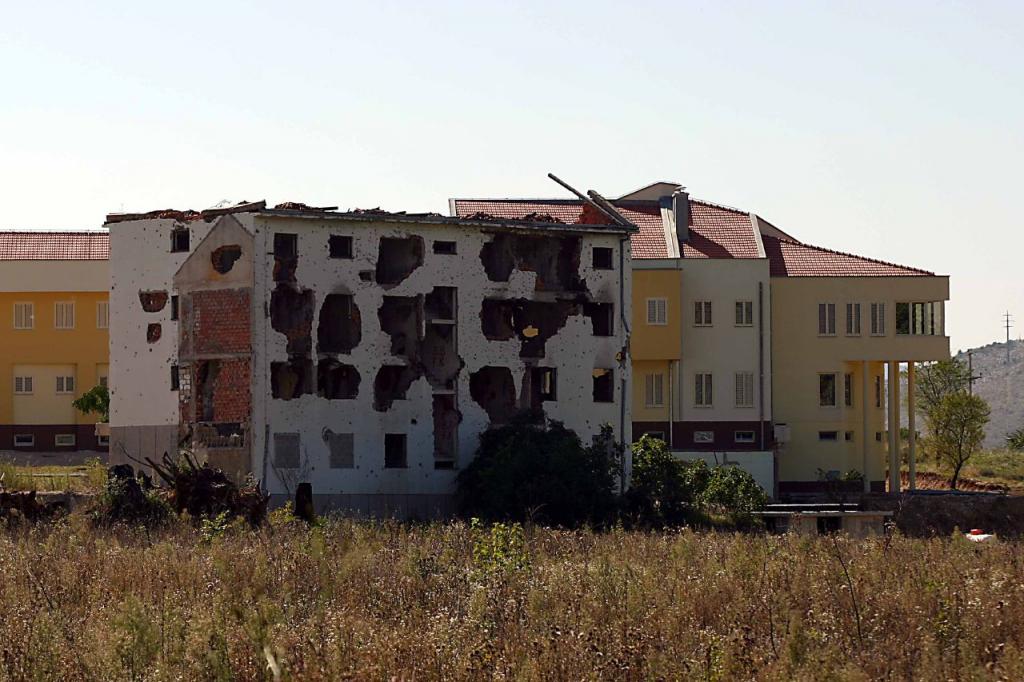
x: 204, y: 491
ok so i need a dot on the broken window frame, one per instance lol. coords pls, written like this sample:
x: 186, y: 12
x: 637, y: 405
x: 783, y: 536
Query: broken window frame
x: 286, y: 245
x: 181, y: 240
x: 548, y: 378
x: 392, y: 440
x: 602, y: 393
x: 345, y: 246
x: 174, y: 307
x: 603, y: 258
x: 444, y: 247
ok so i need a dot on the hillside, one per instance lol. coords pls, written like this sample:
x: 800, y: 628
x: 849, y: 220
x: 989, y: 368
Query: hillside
x: 1001, y: 383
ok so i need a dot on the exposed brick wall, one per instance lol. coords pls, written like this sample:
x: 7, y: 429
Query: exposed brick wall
x: 219, y: 321
x: 231, y: 397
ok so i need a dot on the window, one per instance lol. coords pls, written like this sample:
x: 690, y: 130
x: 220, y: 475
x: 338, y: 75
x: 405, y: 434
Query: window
x: 395, y: 456
x: 848, y: 390
x: 64, y: 315
x: 342, y: 450
x: 341, y: 246
x: 878, y: 392
x: 703, y: 436
x: 744, y: 313
x: 24, y: 440
x: 286, y: 245
x: 545, y: 377
x: 853, y: 319
x: 654, y: 390
x: 603, y: 258
x: 604, y: 386
x: 602, y: 318
x: 179, y: 240
x: 175, y: 378
x: 878, y: 319
x: 103, y: 441
x: 743, y: 436
x: 103, y: 315
x: 104, y: 381
x: 286, y: 450
x: 24, y: 315
x: 65, y: 385
x: 826, y: 319
x: 22, y: 385
x: 444, y: 248
x: 828, y: 435
x: 744, y: 389
x: 657, y: 311
x: 660, y: 435
x: 702, y: 390
x: 827, y: 390
x: 849, y: 435
x: 64, y: 440
x: 919, y: 319
x: 174, y: 307
x: 702, y: 313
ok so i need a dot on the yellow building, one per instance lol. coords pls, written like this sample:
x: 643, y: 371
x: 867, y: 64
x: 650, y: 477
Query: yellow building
x: 54, y: 316
x: 842, y: 327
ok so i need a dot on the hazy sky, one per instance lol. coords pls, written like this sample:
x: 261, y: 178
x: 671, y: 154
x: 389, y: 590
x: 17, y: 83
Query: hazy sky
x: 894, y: 130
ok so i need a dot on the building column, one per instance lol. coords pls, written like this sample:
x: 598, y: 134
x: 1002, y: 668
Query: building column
x: 894, y: 427
x: 912, y: 426
x: 864, y: 439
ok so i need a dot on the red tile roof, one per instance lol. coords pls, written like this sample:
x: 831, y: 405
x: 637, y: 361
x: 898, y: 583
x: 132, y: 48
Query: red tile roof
x: 794, y: 259
x: 20, y: 245
x: 715, y: 231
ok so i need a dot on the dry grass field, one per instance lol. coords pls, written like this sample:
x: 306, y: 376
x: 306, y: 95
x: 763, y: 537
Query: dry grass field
x: 360, y: 600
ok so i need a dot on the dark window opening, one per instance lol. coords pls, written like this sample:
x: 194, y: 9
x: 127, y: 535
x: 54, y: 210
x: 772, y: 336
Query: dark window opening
x: 286, y: 245
x: 179, y: 240
x: 175, y: 378
x: 397, y: 257
x: 828, y: 435
x: 174, y: 307
x: 544, y: 383
x: 439, y: 304
x: 287, y: 454
x: 337, y: 381
x: 446, y: 429
x: 289, y: 380
x: 603, y: 258
x: 604, y: 386
x: 849, y: 435
x: 340, y: 246
x: 395, y: 456
x: 223, y: 258
x: 340, y: 327
x: 494, y: 390
x: 341, y: 449
x: 602, y: 317
x: 444, y: 248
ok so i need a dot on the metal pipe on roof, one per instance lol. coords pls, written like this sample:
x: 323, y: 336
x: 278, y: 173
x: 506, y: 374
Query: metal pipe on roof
x: 611, y: 214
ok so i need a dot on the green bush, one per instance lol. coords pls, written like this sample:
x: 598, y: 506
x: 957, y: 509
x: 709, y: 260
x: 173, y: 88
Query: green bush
x: 663, y: 491
x: 733, y: 491
x: 532, y: 469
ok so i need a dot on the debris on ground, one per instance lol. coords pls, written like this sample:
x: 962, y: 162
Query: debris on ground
x: 978, y: 535
x: 205, y: 491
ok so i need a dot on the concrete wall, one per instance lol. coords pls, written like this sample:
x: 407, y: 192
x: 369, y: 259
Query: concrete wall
x: 574, y: 351
x: 143, y: 408
x: 800, y: 355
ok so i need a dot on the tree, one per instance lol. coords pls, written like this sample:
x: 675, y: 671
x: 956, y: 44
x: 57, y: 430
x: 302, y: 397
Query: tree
x: 956, y: 429
x: 532, y: 469
x: 939, y: 379
x: 662, y: 490
x: 1015, y: 439
x: 734, y: 491
x: 95, y: 400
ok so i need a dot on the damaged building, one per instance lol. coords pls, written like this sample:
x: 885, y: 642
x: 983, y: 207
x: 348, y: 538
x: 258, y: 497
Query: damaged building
x: 361, y: 351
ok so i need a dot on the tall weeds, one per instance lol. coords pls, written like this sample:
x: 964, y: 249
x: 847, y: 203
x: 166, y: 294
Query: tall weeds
x: 347, y: 600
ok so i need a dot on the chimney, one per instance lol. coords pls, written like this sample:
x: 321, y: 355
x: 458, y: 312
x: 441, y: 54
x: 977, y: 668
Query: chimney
x: 681, y: 213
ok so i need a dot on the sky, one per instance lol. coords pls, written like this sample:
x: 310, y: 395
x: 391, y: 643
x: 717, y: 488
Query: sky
x: 892, y: 130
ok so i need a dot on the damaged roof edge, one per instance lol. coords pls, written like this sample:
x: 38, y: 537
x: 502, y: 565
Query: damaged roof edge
x: 447, y: 220
x: 259, y: 208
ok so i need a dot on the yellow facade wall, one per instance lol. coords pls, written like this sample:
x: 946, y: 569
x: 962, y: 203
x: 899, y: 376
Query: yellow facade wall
x: 641, y: 411
x: 800, y: 355
x: 656, y: 342
x: 45, y: 349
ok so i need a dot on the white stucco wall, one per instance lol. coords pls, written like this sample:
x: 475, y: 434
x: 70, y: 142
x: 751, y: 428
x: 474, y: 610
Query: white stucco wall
x: 760, y: 465
x: 140, y: 372
x: 723, y: 348
x: 574, y: 351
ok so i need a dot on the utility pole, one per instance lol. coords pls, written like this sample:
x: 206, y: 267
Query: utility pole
x: 1008, y: 322
x: 971, y: 376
